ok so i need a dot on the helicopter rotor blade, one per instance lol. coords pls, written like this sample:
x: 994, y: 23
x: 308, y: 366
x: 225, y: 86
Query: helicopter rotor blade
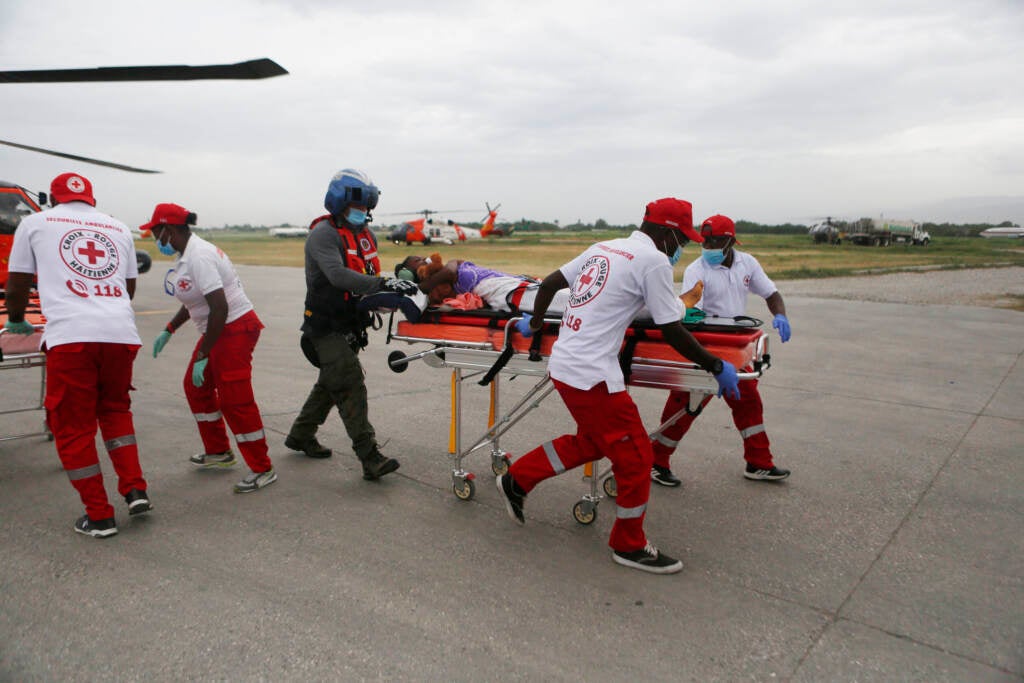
x: 252, y: 69
x: 423, y: 212
x: 76, y: 157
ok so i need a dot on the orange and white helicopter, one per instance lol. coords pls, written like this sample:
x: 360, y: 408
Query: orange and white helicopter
x: 426, y: 230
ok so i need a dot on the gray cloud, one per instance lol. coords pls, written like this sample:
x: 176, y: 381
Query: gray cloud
x: 768, y: 111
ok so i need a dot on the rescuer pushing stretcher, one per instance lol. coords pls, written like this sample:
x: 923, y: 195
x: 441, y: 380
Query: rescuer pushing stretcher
x: 610, y: 283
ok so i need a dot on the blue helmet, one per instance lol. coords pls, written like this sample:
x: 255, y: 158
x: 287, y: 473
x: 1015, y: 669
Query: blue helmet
x: 349, y: 186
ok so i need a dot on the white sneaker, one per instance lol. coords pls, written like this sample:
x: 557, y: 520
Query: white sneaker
x: 256, y: 480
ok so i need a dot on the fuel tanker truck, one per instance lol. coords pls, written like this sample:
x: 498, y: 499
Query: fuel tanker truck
x: 881, y: 232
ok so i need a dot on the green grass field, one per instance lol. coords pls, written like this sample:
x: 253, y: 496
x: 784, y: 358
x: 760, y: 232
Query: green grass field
x: 783, y: 256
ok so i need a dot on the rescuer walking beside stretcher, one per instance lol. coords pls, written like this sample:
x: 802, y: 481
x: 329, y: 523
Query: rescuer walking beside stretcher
x: 86, y: 269
x: 342, y: 265
x: 610, y: 283
x: 218, y: 379
x: 724, y: 275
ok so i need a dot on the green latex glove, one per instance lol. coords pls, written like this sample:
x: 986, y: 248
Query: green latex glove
x: 198, y: 368
x: 693, y: 316
x: 22, y: 327
x: 160, y: 342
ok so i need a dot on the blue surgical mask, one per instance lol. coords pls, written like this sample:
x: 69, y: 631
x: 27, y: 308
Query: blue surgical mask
x: 356, y: 217
x: 165, y: 247
x: 676, y: 255
x: 713, y: 257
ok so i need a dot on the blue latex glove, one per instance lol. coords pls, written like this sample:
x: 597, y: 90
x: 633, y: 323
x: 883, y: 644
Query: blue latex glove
x: 781, y: 323
x: 160, y: 342
x: 22, y: 327
x: 198, y: 368
x: 523, y: 326
x: 728, y: 382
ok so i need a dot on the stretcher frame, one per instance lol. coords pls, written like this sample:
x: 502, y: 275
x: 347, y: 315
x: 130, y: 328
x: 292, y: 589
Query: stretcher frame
x: 469, y: 359
x: 25, y: 361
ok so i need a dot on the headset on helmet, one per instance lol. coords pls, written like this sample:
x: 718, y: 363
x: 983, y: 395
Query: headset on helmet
x: 347, y: 187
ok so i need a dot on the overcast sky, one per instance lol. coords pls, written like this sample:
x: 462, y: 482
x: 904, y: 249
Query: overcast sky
x: 560, y: 110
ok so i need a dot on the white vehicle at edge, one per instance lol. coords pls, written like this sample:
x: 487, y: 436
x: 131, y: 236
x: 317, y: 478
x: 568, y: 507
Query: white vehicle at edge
x: 288, y: 231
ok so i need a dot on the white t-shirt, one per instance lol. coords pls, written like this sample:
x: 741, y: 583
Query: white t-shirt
x: 725, y: 289
x: 609, y: 284
x: 202, y: 269
x: 82, y: 259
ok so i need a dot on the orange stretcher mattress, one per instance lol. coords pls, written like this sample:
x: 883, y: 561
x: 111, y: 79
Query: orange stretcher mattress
x: 738, y: 346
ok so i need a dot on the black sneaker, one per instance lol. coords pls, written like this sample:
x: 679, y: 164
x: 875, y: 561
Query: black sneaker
x: 649, y: 559
x: 96, y: 528
x: 311, y: 448
x: 138, y: 502
x: 376, y: 466
x: 514, y: 500
x: 664, y: 476
x: 213, y: 460
x: 773, y: 474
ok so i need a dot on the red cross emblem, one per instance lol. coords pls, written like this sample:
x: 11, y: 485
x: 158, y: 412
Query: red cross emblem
x: 76, y: 184
x: 90, y: 251
x: 590, y: 281
x: 89, y: 254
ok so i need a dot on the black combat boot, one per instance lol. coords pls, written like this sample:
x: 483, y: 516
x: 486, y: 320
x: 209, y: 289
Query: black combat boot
x: 376, y: 466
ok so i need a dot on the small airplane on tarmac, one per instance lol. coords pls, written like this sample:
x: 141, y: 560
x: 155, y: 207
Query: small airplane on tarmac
x: 1013, y: 232
x: 425, y: 230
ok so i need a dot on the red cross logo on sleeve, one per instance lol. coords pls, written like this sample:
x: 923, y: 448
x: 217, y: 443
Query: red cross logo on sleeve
x: 588, y: 277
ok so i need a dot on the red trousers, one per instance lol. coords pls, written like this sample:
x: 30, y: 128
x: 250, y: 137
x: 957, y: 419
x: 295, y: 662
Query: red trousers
x: 226, y: 394
x: 87, y: 384
x: 747, y: 415
x: 608, y: 425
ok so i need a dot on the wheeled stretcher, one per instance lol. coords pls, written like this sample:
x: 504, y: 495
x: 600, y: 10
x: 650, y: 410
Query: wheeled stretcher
x: 485, y: 344
x: 23, y: 352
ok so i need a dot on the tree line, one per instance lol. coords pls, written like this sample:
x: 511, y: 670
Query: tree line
x: 742, y: 226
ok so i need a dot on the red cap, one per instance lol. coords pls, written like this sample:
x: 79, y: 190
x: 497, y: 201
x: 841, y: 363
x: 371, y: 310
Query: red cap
x: 718, y: 225
x: 71, y: 187
x: 673, y: 213
x: 169, y: 214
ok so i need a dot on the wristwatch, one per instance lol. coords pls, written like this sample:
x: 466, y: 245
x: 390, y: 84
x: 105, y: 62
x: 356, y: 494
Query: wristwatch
x: 717, y: 367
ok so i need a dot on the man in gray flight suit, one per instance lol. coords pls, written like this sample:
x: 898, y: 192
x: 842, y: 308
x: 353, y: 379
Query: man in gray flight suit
x: 342, y: 266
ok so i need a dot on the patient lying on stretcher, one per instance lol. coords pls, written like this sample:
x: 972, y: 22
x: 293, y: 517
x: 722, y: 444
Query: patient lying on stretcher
x: 442, y: 281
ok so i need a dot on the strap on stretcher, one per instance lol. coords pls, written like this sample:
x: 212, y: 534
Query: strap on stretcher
x: 508, y: 352
x: 625, y: 355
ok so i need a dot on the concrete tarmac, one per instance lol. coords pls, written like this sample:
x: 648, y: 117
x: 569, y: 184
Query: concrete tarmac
x: 893, y: 552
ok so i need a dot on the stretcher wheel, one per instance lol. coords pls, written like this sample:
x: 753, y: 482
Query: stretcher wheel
x: 500, y: 463
x: 464, y: 489
x: 397, y: 362
x: 584, y: 512
x: 611, y: 487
